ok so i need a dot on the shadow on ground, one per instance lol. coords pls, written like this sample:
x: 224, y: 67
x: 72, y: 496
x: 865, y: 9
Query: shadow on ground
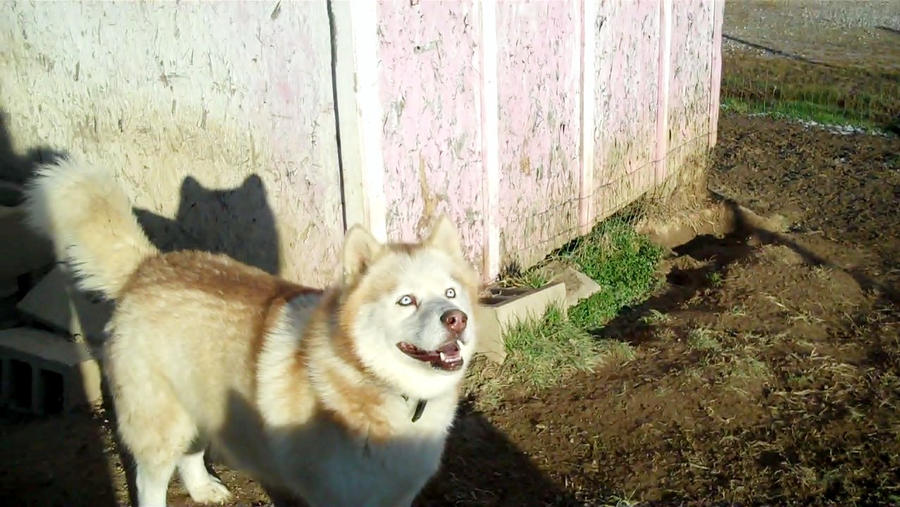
x: 482, y: 466
x: 774, y: 51
x: 707, y: 258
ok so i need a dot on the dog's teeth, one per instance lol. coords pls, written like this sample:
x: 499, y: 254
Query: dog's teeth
x: 443, y: 357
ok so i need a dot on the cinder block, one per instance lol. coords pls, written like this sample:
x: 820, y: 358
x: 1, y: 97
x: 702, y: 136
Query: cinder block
x: 578, y: 285
x: 56, y: 303
x: 506, y: 307
x: 43, y: 372
x: 21, y: 250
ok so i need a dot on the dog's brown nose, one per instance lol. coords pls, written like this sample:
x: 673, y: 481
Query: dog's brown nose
x: 454, y: 320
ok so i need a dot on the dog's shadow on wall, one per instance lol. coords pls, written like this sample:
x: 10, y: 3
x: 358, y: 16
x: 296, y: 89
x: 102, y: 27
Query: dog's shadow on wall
x: 16, y: 168
x: 237, y: 222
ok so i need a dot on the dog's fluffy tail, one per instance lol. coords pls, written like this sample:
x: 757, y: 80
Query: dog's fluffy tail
x: 88, y: 217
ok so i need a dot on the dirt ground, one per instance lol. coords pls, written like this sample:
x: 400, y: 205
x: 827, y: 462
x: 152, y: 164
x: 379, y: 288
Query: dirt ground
x: 767, y: 366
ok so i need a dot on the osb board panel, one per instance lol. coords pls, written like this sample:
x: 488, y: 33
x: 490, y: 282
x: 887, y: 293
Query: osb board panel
x: 430, y: 67
x: 539, y: 97
x: 626, y: 106
x: 217, y: 116
x: 690, y: 83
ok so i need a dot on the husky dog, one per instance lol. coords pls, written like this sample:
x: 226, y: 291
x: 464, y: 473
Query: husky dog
x: 341, y: 396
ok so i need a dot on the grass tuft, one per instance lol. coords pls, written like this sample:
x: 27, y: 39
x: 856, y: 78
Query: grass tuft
x: 532, y: 278
x: 542, y: 351
x: 703, y: 339
x: 654, y: 317
x: 622, y: 261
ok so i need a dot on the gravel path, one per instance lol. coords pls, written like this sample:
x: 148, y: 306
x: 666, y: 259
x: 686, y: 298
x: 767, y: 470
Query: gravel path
x: 840, y: 32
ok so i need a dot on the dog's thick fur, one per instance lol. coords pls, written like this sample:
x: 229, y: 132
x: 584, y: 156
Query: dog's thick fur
x: 306, y: 390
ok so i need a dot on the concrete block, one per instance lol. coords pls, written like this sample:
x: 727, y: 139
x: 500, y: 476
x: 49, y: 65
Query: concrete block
x: 44, y: 373
x: 505, y: 307
x: 578, y: 285
x: 21, y: 250
x: 56, y: 303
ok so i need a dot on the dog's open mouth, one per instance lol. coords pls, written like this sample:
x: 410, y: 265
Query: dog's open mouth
x: 447, y: 357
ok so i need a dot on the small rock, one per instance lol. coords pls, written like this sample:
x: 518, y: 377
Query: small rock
x: 54, y: 302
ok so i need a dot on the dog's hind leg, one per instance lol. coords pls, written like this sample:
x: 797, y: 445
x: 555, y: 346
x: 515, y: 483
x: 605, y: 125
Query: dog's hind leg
x: 201, y: 485
x: 153, y: 424
x: 156, y: 446
x: 157, y: 440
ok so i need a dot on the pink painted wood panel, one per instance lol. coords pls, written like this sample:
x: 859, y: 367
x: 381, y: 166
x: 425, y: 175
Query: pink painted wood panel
x: 539, y: 99
x: 626, y: 62
x: 429, y: 61
x: 690, y: 83
x: 479, y: 111
x: 432, y: 58
x: 715, y: 77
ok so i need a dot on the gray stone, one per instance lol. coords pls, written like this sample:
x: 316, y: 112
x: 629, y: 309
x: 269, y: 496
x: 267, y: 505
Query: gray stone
x: 56, y: 303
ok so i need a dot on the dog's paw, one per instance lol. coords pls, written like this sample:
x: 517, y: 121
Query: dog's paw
x: 211, y: 491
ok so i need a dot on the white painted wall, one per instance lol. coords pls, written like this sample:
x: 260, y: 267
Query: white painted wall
x: 218, y: 91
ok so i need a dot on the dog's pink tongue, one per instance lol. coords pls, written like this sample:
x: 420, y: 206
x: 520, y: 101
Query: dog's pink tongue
x: 447, y: 356
x: 421, y: 355
x: 450, y: 350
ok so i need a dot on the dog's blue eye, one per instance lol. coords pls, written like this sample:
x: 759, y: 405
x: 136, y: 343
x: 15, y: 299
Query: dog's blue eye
x: 406, y: 300
x: 450, y: 293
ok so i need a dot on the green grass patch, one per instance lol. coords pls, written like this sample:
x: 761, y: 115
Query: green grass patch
x: 703, y: 339
x: 833, y: 95
x: 801, y: 110
x: 622, y: 261
x: 542, y: 351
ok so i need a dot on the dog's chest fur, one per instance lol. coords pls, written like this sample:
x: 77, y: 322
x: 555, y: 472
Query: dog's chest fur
x: 310, y: 398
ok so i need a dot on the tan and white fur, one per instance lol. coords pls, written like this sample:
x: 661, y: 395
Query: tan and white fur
x: 312, y: 392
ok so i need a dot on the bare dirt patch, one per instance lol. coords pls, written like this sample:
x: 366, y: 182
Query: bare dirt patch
x: 841, y: 188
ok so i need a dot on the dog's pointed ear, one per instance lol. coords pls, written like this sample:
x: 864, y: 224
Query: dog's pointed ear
x: 444, y: 237
x: 360, y: 249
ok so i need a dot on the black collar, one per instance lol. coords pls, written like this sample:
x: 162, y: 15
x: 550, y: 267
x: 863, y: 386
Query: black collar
x: 420, y: 407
